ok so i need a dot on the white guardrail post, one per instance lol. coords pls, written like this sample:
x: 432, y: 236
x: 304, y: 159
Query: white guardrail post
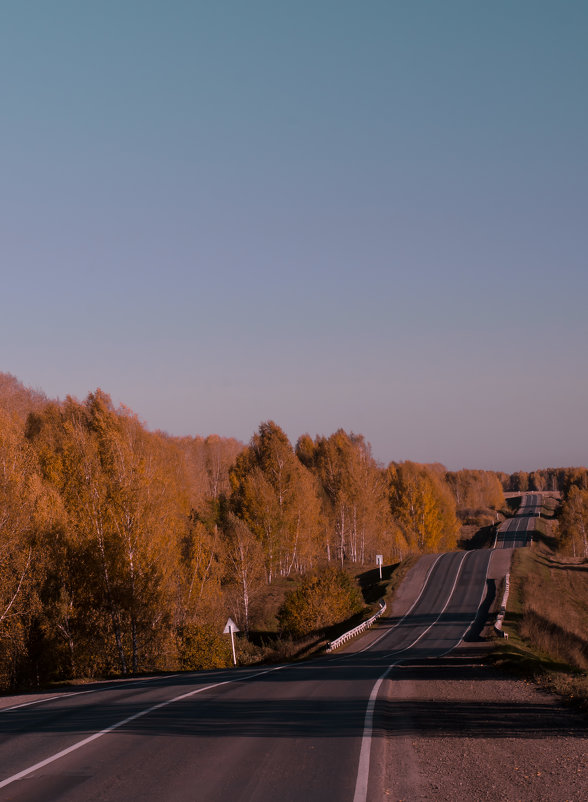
x: 356, y: 630
x: 500, y: 618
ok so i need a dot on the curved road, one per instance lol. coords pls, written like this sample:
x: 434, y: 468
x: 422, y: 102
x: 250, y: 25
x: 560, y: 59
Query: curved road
x: 294, y: 732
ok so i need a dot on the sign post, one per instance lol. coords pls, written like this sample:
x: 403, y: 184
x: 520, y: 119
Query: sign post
x: 379, y: 561
x: 232, y: 628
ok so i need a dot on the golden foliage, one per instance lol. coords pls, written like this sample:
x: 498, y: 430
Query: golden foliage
x: 124, y: 550
x: 319, y: 601
x: 424, y: 507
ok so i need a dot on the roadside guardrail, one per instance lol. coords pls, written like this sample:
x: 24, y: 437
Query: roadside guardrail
x: 356, y: 630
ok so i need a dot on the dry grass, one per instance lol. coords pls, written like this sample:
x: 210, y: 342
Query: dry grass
x: 555, y: 607
x: 271, y: 647
x: 547, y: 621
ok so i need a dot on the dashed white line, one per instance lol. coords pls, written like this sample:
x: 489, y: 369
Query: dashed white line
x: 363, y: 769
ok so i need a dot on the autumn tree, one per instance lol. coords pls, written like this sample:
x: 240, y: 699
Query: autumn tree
x: 28, y: 512
x: 16, y: 546
x: 423, y: 505
x: 475, y: 489
x: 276, y: 497
x: 574, y: 522
x: 546, y: 479
x: 321, y: 599
x: 207, y: 465
x: 574, y: 477
x: 16, y: 400
x: 220, y: 454
x: 201, y: 554
x: 244, y: 568
x: 354, y: 497
x: 124, y: 517
x: 520, y: 481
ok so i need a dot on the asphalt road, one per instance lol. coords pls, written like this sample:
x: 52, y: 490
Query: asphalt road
x: 300, y: 732
x: 531, y: 504
x: 518, y: 531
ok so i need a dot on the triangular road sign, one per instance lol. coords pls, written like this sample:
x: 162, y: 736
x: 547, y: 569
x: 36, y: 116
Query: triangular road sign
x: 230, y: 627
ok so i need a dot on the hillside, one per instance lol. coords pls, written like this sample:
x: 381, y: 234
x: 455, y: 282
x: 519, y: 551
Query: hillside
x: 547, y: 616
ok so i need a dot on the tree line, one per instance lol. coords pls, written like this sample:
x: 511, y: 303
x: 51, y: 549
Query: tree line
x: 545, y: 479
x: 124, y: 550
x: 572, y: 484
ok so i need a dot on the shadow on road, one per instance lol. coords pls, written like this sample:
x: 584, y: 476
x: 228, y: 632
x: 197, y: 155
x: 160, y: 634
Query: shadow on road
x: 455, y: 719
x: 276, y: 709
x: 481, y: 620
x: 285, y: 704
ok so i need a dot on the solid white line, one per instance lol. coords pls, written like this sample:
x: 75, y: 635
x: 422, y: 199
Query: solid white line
x: 37, y: 701
x: 407, y: 613
x: 119, y: 724
x: 477, y: 609
x: 363, y: 770
x: 348, y: 655
x: 131, y: 684
x: 446, y: 605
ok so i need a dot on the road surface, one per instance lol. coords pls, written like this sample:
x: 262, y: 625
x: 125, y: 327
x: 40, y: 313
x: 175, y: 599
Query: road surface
x: 301, y: 732
x: 518, y: 531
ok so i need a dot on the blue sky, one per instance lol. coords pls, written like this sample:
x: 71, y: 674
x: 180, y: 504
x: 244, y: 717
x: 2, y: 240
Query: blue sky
x: 331, y: 214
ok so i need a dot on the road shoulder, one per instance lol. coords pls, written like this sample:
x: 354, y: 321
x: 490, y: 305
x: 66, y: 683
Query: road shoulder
x: 455, y: 728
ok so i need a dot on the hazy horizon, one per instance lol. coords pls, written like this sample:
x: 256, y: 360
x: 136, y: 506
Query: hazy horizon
x: 332, y: 216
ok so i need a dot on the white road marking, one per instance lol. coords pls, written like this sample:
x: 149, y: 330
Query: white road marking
x: 38, y: 701
x: 132, y: 683
x: 363, y: 770
x: 408, y: 612
x: 140, y: 714
x: 446, y: 605
x: 477, y: 609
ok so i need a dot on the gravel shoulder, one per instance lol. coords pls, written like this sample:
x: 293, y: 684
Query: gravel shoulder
x: 456, y: 729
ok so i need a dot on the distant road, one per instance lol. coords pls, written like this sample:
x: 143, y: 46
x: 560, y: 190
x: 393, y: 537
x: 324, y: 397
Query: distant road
x: 531, y: 504
x: 518, y: 531
x: 292, y: 733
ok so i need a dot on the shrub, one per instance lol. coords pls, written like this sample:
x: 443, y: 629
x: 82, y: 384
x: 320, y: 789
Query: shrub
x: 319, y: 601
x: 204, y: 647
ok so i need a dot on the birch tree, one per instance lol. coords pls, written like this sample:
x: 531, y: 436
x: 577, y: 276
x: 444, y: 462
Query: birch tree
x: 423, y: 506
x: 276, y: 497
x: 574, y: 522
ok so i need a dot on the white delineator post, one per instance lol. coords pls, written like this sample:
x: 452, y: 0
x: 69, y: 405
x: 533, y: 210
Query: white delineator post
x: 232, y: 628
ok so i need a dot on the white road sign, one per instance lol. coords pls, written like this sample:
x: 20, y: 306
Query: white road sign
x: 379, y: 562
x: 230, y: 627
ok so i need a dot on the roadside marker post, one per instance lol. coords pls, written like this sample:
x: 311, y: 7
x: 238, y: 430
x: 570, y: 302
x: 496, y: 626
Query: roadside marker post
x: 232, y: 628
x: 379, y: 561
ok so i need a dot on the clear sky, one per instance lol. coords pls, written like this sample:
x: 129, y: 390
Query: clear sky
x: 369, y: 215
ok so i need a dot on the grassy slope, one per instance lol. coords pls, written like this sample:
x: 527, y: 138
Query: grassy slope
x: 374, y: 590
x: 547, y: 621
